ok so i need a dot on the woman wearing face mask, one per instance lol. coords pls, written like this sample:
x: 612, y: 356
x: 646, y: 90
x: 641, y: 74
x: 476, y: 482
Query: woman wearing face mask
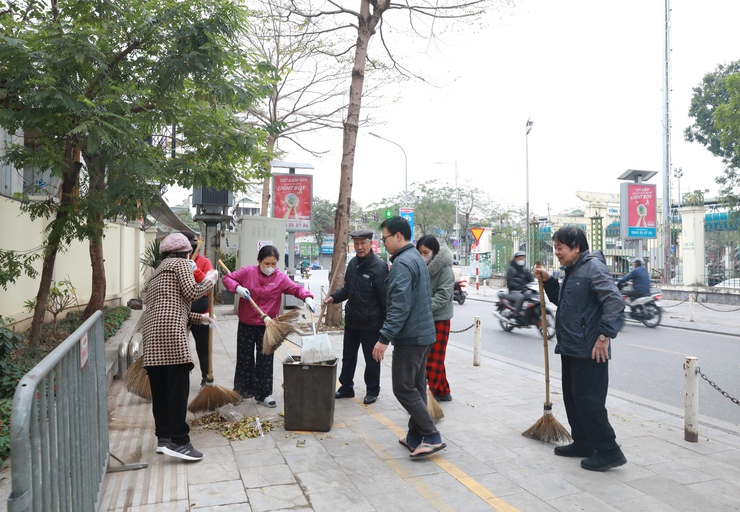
x: 266, y: 285
x: 442, y: 284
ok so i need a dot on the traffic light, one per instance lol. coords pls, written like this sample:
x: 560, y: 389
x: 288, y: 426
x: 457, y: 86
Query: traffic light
x: 388, y: 214
x: 364, y: 217
x: 375, y: 216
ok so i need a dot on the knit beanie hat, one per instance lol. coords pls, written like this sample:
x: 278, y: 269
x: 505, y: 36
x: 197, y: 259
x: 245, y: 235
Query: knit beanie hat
x: 176, y: 242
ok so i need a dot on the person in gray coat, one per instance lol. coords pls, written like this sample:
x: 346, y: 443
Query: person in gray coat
x: 442, y: 282
x: 590, y: 314
x: 409, y: 325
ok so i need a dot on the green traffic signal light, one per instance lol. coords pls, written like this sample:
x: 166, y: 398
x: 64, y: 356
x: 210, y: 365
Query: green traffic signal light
x: 388, y: 214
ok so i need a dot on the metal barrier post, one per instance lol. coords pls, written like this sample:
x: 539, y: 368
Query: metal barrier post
x: 476, y: 342
x: 691, y: 307
x: 691, y: 404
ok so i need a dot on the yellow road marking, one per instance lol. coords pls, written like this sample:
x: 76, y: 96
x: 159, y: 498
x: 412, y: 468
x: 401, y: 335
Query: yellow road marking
x: 458, y: 474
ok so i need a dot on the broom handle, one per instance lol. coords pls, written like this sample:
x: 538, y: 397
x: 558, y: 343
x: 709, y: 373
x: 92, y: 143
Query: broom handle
x: 543, y: 318
x: 209, y: 378
x: 253, y: 303
x: 197, y: 248
x: 331, y: 286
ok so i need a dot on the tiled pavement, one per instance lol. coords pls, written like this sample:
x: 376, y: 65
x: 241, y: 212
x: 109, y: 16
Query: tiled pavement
x: 487, y: 465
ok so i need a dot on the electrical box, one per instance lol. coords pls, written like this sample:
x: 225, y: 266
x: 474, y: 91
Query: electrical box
x: 210, y: 200
x: 255, y: 232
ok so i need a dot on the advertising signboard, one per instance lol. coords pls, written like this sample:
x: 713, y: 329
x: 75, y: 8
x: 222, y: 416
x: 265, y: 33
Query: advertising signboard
x: 292, y: 197
x: 638, y: 203
x: 408, y: 214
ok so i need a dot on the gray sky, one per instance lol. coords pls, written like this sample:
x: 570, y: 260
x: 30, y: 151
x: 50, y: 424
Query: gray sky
x: 589, y: 74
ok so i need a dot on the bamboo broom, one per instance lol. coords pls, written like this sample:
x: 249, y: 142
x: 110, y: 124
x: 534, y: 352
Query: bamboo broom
x: 435, y: 410
x: 276, y: 329
x: 211, y: 397
x: 547, y: 428
x: 136, y: 380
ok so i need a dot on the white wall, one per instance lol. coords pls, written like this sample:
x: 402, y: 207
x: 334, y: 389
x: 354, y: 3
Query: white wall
x: 123, y: 247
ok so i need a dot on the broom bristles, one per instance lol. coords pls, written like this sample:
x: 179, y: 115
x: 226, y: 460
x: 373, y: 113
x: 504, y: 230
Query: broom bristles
x: 548, y: 429
x: 211, y: 397
x: 275, y: 333
x: 435, y: 410
x: 136, y: 380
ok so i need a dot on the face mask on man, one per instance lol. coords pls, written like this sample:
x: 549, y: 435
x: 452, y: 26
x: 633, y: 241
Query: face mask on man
x: 267, y: 270
x: 520, y: 262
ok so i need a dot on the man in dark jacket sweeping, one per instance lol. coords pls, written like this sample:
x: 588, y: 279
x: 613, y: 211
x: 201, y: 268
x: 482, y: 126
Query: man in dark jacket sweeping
x: 409, y: 325
x: 364, y: 291
x: 590, y: 313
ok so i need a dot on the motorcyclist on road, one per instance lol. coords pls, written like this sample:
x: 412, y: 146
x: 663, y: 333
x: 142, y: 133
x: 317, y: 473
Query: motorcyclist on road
x: 304, y: 265
x: 517, y: 280
x: 640, y: 281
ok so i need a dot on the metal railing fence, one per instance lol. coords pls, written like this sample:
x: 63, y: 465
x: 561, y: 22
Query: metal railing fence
x: 59, y: 427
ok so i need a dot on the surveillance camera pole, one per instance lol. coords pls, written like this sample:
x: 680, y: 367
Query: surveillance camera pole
x: 526, y: 138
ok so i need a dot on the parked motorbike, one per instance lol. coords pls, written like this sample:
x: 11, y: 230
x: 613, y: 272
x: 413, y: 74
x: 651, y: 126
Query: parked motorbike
x: 460, y: 292
x: 647, y: 310
x: 531, y: 314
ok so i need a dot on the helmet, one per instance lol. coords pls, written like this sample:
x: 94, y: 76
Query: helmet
x: 638, y: 261
x: 519, y: 253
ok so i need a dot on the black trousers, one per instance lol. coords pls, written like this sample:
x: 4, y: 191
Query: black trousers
x: 170, y: 389
x: 585, y: 384
x: 353, y: 340
x: 200, y: 334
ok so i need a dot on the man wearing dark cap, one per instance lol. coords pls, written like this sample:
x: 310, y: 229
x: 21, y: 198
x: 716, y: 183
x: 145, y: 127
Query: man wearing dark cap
x: 364, y: 314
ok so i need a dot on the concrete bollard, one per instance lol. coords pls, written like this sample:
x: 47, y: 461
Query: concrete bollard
x: 691, y: 307
x: 476, y: 342
x: 691, y: 401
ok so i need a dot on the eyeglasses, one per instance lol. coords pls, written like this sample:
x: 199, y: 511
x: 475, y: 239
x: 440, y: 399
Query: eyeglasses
x: 382, y: 238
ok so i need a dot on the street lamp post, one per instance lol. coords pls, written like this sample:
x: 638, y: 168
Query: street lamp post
x: 526, y: 139
x: 677, y: 173
x: 405, y: 168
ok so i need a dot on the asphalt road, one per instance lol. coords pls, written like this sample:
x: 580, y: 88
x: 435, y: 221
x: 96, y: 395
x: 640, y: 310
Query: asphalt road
x: 645, y: 362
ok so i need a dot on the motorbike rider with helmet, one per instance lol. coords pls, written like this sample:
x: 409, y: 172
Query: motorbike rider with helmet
x: 517, y: 279
x: 640, y: 281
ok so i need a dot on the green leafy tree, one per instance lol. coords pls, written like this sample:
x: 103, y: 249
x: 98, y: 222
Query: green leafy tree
x: 90, y: 82
x: 322, y: 219
x: 715, y: 108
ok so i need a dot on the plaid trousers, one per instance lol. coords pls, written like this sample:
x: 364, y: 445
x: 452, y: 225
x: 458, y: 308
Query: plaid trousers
x: 436, y: 374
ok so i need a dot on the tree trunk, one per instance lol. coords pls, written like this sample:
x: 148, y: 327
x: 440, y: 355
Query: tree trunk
x: 96, y: 227
x: 365, y: 29
x: 54, y: 241
x: 264, y: 212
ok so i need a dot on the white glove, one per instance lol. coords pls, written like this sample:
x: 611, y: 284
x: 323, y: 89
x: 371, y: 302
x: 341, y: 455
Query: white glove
x: 206, y: 319
x: 193, y: 266
x: 212, y: 275
x: 310, y: 304
x: 240, y: 290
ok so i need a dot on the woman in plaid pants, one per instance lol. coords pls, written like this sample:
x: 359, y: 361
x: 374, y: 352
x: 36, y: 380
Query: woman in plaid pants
x: 442, y: 283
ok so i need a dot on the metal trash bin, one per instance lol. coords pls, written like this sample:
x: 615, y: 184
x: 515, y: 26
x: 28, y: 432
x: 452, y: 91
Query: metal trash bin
x: 308, y: 392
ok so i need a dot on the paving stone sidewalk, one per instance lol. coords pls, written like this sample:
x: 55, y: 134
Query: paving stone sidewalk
x: 359, y: 465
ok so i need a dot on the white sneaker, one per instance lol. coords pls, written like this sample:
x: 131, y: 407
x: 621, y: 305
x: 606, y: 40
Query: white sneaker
x: 268, y: 402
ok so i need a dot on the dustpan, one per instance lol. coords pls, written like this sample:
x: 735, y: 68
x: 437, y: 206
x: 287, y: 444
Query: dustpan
x: 316, y: 348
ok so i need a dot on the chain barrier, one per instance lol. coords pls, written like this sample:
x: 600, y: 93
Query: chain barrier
x: 719, y: 310
x: 715, y: 386
x: 674, y: 305
x: 463, y: 330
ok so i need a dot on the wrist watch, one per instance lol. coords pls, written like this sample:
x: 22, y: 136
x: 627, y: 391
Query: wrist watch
x: 602, y: 337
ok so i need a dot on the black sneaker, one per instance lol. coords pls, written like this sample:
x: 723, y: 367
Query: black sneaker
x: 344, y: 393
x: 162, y: 442
x: 603, y: 460
x: 443, y: 398
x: 183, y: 451
x: 574, y: 450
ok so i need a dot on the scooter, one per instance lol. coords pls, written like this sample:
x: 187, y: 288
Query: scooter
x: 460, y: 292
x: 647, y: 310
x: 530, y: 312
